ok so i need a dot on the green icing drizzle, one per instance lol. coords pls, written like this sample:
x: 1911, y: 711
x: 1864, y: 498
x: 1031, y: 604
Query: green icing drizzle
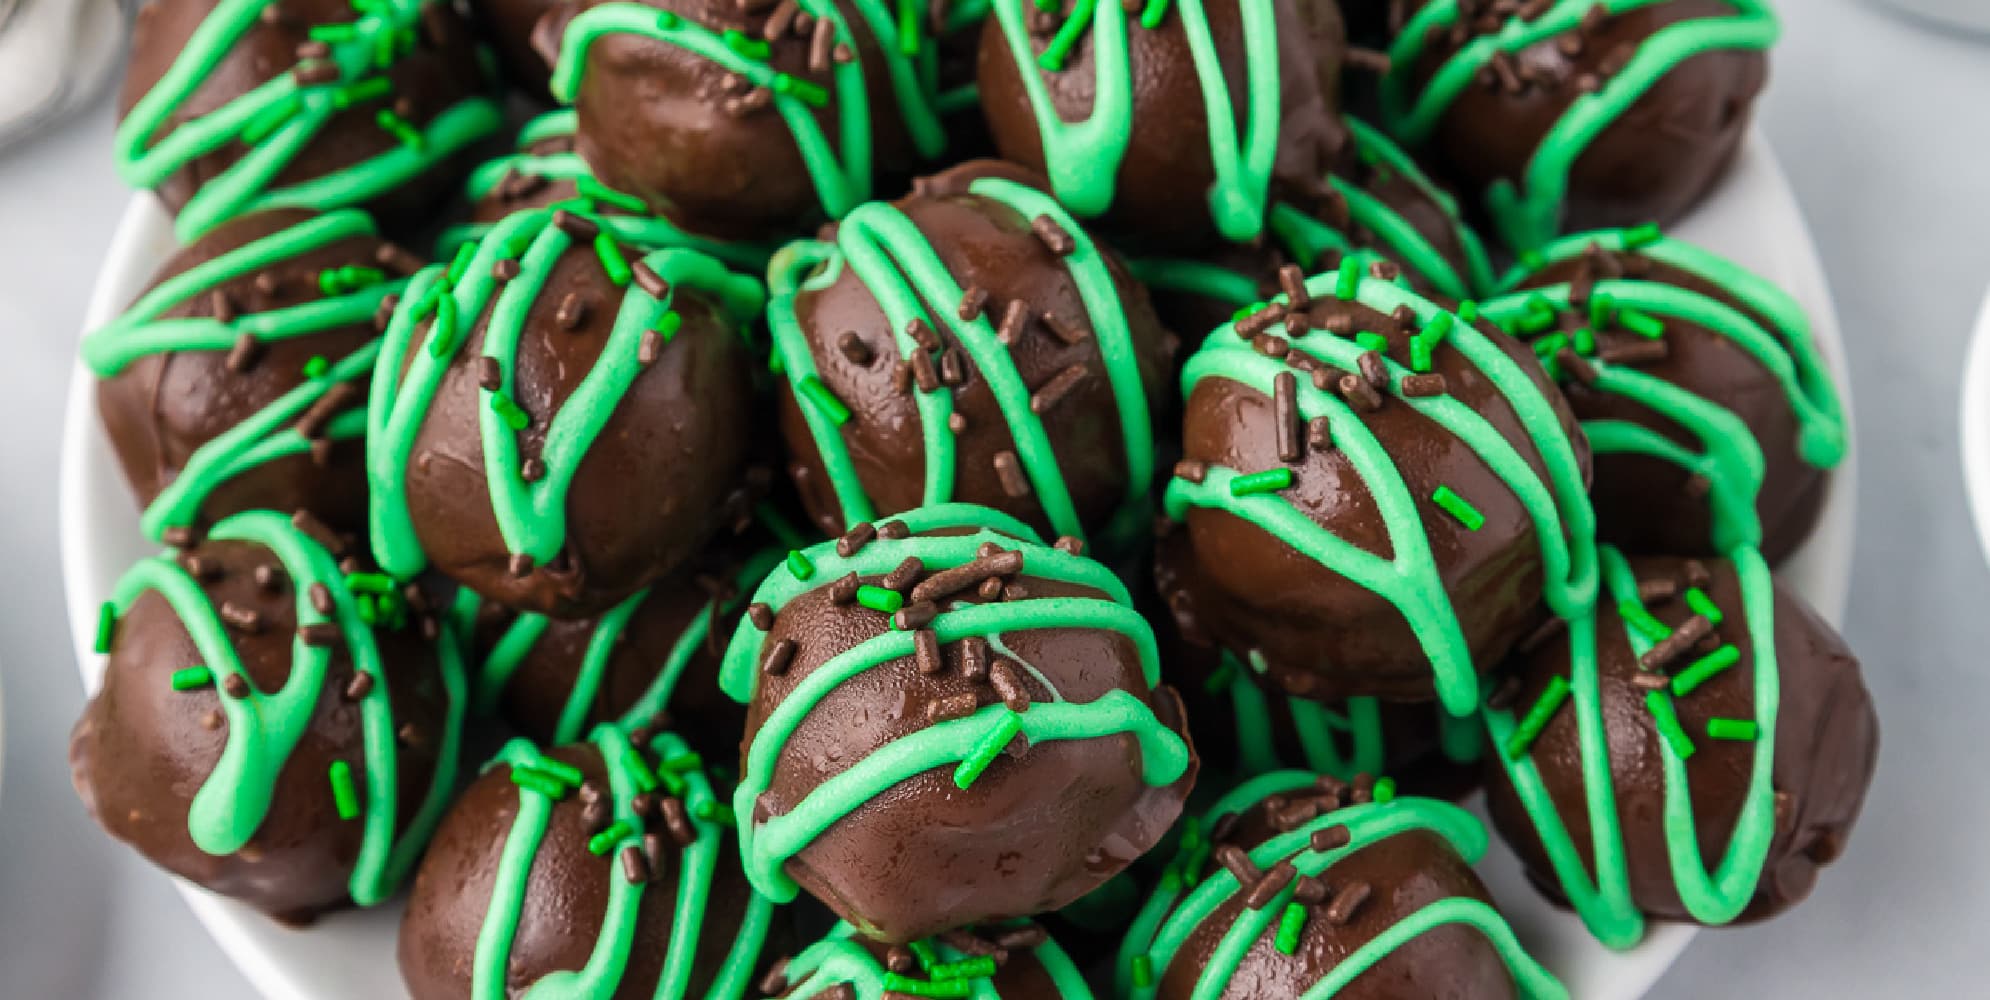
x: 607, y: 963
x: 264, y: 727
x: 1558, y: 504
x: 1343, y: 740
x: 1181, y: 905
x: 767, y: 846
x: 1528, y: 213
x: 840, y: 183
x: 904, y: 273
x: 279, y: 118
x: 1083, y: 158
x: 531, y: 516
x: 269, y: 434
x: 839, y: 960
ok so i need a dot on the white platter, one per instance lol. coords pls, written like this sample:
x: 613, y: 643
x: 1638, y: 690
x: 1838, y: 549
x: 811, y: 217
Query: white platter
x: 1753, y: 218
x: 1976, y: 426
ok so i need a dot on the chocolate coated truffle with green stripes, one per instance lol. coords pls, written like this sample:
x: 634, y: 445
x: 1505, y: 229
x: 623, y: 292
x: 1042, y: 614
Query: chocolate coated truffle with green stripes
x: 231, y: 106
x: 1015, y: 960
x: 603, y: 868
x: 1702, y: 389
x: 562, y: 414
x: 1696, y: 749
x: 275, y: 723
x: 1174, y: 125
x: 969, y: 342
x: 949, y: 723
x: 238, y: 379
x: 1566, y: 115
x: 1380, y: 496
x: 1300, y: 886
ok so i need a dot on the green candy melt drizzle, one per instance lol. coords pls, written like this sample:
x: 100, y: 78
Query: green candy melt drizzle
x: 268, y: 435
x: 904, y: 273
x: 1342, y: 740
x: 1180, y: 905
x: 608, y: 961
x: 264, y: 727
x: 767, y: 846
x: 839, y: 960
x: 1527, y: 210
x: 279, y: 118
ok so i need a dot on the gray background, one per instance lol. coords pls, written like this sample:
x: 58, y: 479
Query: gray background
x: 1882, y: 127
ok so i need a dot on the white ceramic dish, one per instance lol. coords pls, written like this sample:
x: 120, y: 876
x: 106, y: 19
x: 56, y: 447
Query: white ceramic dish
x: 1976, y: 426
x: 1752, y: 218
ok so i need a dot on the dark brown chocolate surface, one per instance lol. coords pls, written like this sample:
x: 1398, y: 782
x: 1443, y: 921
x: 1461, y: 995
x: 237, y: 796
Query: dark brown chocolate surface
x: 509, y: 26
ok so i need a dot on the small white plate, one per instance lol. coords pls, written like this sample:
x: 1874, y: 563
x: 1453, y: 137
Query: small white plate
x: 1976, y: 426
x: 1752, y: 218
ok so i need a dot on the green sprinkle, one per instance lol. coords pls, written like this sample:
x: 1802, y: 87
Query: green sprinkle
x: 826, y: 401
x: 799, y: 565
x: 369, y: 610
x: 1635, y: 615
x: 370, y: 89
x: 988, y: 749
x: 978, y: 967
x: 1701, y: 604
x: 1704, y: 668
x: 601, y: 843
x: 1153, y: 14
x: 537, y: 781
x: 673, y: 783
x: 106, y: 624
x: 1385, y: 790
x: 1370, y: 341
x: 954, y: 989
x: 1419, y: 356
x: 1538, y: 717
x: 188, y: 678
x: 1143, y: 971
x: 398, y: 127
x: 745, y: 45
x: 340, y: 280
x: 344, y: 795
x: 565, y: 773
x: 1348, y: 282
x: 317, y: 366
x: 639, y: 770
x: 1639, y: 237
x: 880, y: 599
x: 689, y: 760
x: 668, y: 20
x: 1289, y: 926
x: 923, y: 951
x: 1247, y: 310
x: 612, y: 260
x: 442, y: 334
x: 1641, y: 323
x: 1584, y: 341
x: 714, y: 811
x: 1458, y: 507
x: 1540, y: 315
x: 369, y: 583
x: 908, y: 27
x: 1268, y: 481
x: 594, y: 190
x: 1602, y: 306
x: 509, y: 412
x: 1733, y: 729
x: 333, y: 33
x: 808, y: 93
x: 1468, y: 311
x: 1669, y: 728
x: 668, y: 325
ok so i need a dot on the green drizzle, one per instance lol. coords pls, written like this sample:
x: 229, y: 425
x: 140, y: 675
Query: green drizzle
x: 842, y: 172
x: 1321, y: 730
x: 531, y: 516
x: 904, y: 273
x: 608, y: 962
x: 269, y: 435
x: 767, y: 846
x: 1083, y: 158
x: 1557, y: 504
x: 264, y: 727
x: 281, y: 117
x: 1528, y: 213
x: 1176, y: 910
x: 840, y: 960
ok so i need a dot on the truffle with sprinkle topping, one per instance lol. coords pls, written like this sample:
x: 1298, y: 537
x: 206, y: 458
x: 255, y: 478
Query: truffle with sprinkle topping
x: 1009, y: 961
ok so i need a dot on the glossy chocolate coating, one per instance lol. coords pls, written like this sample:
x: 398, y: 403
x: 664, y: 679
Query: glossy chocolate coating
x: 142, y: 749
x: 1827, y: 745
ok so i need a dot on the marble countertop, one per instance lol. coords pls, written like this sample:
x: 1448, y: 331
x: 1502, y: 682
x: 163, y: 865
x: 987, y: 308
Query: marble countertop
x: 1879, y: 124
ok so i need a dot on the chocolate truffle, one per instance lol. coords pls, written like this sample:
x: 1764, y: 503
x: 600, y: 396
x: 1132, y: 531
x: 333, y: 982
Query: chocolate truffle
x: 270, y: 727
x: 1703, y: 723
x: 230, y: 106
x: 1178, y: 130
x: 1296, y: 885
x: 554, y: 679
x: 747, y: 120
x: 560, y: 416
x: 238, y: 380
x: 1713, y: 418
x: 968, y: 342
x: 949, y: 723
x: 598, y: 869
x: 1568, y: 115
x: 1013, y: 961
x: 1379, y: 494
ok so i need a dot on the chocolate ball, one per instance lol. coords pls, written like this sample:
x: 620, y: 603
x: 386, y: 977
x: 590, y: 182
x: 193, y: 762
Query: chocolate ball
x: 1713, y: 416
x: 565, y: 416
x: 745, y: 121
x: 1294, y: 885
x: 1175, y: 131
x: 1378, y: 494
x: 949, y: 723
x: 1671, y: 676
x: 237, y: 381
x: 608, y: 863
x: 968, y: 342
x: 208, y: 124
x: 270, y: 727
x: 1582, y: 118
x: 1013, y: 961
